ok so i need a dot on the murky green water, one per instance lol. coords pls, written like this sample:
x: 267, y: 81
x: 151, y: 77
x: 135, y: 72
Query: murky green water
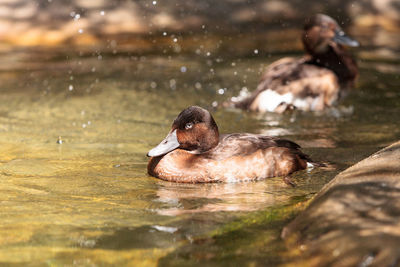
x: 89, y: 201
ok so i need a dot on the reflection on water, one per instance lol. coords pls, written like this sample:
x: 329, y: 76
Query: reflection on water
x: 89, y: 201
x: 247, y: 196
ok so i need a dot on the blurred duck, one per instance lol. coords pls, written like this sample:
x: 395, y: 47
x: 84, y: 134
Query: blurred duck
x: 312, y: 82
x: 194, y: 152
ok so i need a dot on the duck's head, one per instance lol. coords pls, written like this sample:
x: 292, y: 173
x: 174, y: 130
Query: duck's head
x: 194, y: 130
x: 322, y: 32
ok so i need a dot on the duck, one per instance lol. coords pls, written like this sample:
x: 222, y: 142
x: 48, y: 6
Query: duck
x: 194, y: 152
x: 313, y: 82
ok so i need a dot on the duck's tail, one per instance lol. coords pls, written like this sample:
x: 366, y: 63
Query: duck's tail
x: 312, y: 164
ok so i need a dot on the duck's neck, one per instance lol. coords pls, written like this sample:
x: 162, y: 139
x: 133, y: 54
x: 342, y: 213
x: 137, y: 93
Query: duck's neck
x: 206, y: 142
x: 211, y: 141
x: 340, y: 62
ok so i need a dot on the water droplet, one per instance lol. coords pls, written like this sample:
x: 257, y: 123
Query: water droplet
x: 59, y: 140
x: 70, y: 87
x: 77, y: 16
x: 221, y: 91
x: 244, y: 92
x: 164, y: 33
x: 177, y: 48
x: 113, y: 43
x: 175, y: 40
x: 102, y: 13
x: 154, y: 3
x: 183, y: 69
x: 255, y: 51
x: 80, y: 31
x: 208, y: 54
x: 214, y: 104
x: 172, y: 84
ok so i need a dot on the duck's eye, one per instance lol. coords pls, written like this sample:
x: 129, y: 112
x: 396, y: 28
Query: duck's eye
x: 188, y: 125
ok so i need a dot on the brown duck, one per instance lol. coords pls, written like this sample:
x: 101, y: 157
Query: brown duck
x: 194, y: 152
x: 313, y: 82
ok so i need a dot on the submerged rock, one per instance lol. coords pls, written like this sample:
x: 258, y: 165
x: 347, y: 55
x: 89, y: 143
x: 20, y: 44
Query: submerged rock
x: 355, y: 219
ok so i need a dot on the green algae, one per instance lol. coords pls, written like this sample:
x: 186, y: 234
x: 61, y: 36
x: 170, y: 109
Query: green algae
x: 251, y: 240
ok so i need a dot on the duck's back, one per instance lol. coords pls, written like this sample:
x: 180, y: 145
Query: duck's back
x: 243, y: 144
x: 293, y: 81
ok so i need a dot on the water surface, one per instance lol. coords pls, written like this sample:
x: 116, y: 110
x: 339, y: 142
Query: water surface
x: 89, y: 201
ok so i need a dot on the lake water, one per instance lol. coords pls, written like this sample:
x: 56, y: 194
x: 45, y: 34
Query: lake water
x: 87, y: 200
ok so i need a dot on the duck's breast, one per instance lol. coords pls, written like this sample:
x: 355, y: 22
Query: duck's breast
x: 180, y: 166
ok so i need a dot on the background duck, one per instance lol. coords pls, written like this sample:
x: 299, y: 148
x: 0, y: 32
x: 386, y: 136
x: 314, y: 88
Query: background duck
x: 312, y: 82
x: 194, y: 152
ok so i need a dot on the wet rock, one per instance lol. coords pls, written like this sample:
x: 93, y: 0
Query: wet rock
x: 355, y: 219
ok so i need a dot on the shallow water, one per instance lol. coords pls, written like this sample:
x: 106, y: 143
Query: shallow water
x: 89, y: 201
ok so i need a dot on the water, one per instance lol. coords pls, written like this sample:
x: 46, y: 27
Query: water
x: 89, y: 201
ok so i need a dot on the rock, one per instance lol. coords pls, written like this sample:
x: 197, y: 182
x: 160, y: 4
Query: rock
x: 355, y: 219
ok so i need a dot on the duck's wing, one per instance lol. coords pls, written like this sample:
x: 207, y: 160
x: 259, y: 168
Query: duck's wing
x: 293, y: 81
x: 241, y: 144
x: 283, y: 67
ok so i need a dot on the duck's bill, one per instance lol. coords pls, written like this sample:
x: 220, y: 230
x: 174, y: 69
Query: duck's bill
x: 341, y: 38
x: 167, y: 145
